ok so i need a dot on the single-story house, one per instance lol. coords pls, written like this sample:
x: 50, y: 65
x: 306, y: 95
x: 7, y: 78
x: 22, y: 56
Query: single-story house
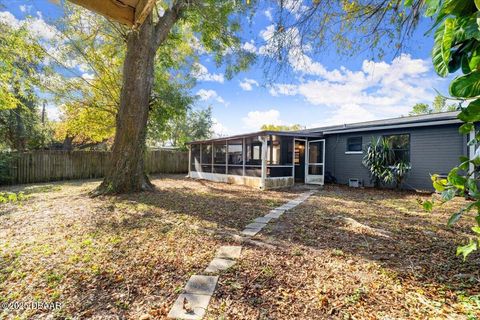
x: 270, y: 159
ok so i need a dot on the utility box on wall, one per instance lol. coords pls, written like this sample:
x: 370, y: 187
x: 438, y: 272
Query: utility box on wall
x: 354, y: 183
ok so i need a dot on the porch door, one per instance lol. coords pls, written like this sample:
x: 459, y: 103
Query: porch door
x: 315, y: 164
x: 299, y: 160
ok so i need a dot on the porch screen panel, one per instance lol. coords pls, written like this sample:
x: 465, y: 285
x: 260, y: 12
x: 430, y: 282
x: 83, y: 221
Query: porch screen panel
x: 235, y: 157
x: 280, y: 156
x: 315, y: 158
x: 206, y: 157
x: 195, y: 164
x: 253, y: 158
x: 219, y: 157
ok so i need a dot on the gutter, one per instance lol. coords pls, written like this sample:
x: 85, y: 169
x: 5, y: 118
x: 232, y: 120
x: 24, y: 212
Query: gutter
x: 387, y: 127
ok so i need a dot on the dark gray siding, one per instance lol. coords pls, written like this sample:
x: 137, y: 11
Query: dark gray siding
x: 432, y: 150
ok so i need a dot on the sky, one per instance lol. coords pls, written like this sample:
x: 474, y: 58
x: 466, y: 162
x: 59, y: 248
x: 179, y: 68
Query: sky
x: 321, y: 90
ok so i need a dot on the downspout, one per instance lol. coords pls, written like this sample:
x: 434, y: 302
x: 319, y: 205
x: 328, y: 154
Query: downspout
x: 264, y: 161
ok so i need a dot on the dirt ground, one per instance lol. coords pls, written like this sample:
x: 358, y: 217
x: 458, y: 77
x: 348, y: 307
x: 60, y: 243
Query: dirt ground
x: 343, y: 254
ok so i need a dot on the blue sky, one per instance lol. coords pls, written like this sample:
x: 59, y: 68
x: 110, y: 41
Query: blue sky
x: 321, y: 90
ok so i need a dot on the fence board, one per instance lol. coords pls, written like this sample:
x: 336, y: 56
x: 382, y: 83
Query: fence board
x: 44, y: 166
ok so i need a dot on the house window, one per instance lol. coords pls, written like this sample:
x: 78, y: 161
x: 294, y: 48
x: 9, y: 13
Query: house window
x: 354, y: 144
x: 400, y: 144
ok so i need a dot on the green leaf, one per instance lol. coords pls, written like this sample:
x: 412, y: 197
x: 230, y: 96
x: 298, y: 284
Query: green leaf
x: 477, y: 4
x: 467, y: 249
x: 455, y: 179
x: 476, y: 229
x: 466, y: 28
x: 474, y: 60
x: 471, y: 113
x: 432, y: 7
x: 408, y: 3
x: 427, y: 205
x: 455, y: 217
x: 441, y: 48
x: 458, y: 8
x: 466, y: 128
x: 448, y: 195
x: 466, y: 86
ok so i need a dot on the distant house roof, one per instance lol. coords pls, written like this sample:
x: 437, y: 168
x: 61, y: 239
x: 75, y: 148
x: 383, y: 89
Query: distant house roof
x: 393, y: 123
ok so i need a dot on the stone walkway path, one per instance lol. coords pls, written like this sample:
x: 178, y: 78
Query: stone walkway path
x: 193, y: 302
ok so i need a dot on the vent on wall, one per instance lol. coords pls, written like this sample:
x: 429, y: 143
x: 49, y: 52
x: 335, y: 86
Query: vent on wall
x: 354, y: 183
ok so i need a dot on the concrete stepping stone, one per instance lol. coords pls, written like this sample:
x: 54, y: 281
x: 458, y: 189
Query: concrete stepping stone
x: 219, y: 264
x: 251, y: 232
x: 201, y: 284
x: 274, y: 215
x: 197, y: 302
x: 255, y: 225
x: 229, y: 252
x: 262, y: 220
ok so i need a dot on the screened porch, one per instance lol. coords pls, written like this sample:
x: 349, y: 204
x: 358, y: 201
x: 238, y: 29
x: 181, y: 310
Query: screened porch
x: 264, y: 159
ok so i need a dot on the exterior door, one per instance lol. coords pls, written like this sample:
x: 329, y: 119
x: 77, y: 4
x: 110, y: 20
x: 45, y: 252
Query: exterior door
x: 315, y: 164
x: 299, y: 160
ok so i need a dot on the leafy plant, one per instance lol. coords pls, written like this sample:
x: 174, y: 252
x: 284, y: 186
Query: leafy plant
x: 12, y: 197
x: 5, y: 164
x: 457, y: 48
x: 380, y: 161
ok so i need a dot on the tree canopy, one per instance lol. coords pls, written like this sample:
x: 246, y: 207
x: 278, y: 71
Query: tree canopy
x: 439, y: 105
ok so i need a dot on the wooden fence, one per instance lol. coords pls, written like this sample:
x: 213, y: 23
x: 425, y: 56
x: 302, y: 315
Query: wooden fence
x: 44, y: 166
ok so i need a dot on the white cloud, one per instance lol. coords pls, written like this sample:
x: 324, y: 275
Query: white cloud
x: 249, y: 46
x: 53, y: 113
x: 247, y: 84
x: 345, y: 114
x: 201, y: 73
x: 219, y: 130
x: 24, y: 8
x: 268, y: 14
x: 378, y: 89
x: 255, y: 119
x: 88, y: 76
x: 283, y: 89
x: 210, y: 94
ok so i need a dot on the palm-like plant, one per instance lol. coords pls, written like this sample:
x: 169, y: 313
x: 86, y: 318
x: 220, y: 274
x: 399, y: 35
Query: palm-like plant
x: 380, y: 161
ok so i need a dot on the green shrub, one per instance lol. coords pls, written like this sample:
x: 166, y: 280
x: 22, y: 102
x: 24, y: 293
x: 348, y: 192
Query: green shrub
x: 380, y: 161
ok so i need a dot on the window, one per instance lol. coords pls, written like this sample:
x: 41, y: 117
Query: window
x: 206, y: 154
x: 219, y: 152
x: 354, y: 144
x: 235, y: 152
x: 254, y: 151
x: 279, y: 150
x: 400, y: 144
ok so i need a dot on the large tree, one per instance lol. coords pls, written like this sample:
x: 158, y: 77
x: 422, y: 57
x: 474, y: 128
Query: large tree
x: 21, y: 126
x: 298, y: 27
x: 212, y: 21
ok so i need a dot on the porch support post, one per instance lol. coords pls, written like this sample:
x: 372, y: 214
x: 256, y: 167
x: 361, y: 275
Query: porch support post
x: 189, y: 160
x: 244, y: 156
x: 263, y: 140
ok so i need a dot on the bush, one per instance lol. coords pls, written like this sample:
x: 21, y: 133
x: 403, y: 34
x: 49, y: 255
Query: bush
x: 5, y: 165
x: 380, y: 161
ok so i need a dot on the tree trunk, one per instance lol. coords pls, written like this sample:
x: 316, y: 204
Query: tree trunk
x: 126, y: 173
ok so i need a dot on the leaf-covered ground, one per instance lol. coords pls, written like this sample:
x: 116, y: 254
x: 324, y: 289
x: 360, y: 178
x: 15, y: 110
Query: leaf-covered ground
x: 345, y: 253
x: 355, y: 254
x: 120, y: 257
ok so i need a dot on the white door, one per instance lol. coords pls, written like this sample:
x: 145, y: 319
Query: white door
x: 315, y: 162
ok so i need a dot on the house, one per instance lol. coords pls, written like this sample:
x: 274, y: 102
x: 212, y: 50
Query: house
x: 271, y: 159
